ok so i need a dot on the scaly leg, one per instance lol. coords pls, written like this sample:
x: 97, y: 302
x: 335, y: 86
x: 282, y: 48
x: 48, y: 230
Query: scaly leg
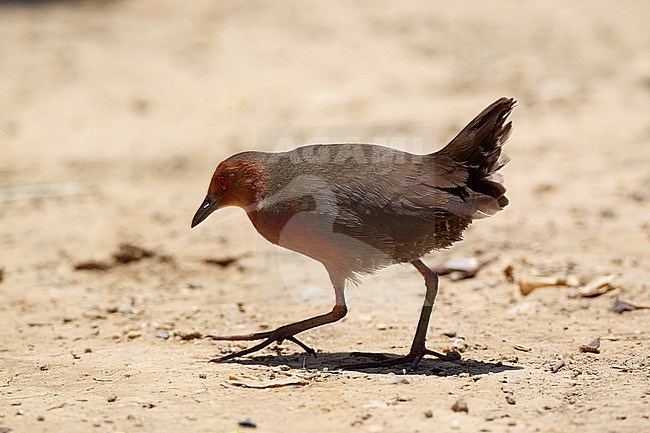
x: 288, y: 332
x: 418, y: 349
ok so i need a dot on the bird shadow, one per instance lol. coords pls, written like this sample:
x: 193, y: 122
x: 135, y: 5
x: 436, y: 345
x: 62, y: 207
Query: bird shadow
x: 348, y: 362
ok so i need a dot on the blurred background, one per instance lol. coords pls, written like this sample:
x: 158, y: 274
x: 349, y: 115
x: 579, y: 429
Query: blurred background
x: 135, y: 102
x: 114, y: 114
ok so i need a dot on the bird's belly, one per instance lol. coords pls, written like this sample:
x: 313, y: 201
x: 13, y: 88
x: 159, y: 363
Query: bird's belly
x: 313, y: 234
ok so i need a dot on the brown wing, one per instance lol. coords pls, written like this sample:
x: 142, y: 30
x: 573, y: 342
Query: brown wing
x: 402, y: 205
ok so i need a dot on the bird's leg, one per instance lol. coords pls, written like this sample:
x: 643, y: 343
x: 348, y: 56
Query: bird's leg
x: 259, y: 336
x: 418, y: 349
x: 288, y: 332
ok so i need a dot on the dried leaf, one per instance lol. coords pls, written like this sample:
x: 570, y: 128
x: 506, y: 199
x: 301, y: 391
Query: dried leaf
x: 528, y: 284
x: 247, y: 382
x: 593, y: 347
x: 597, y: 286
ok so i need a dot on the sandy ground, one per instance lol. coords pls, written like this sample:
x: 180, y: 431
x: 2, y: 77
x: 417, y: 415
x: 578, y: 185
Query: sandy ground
x: 113, y: 115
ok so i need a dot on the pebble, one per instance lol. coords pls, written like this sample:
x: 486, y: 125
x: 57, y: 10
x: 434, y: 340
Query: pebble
x: 489, y: 416
x: 459, y: 344
x: 428, y: 413
x: 247, y: 423
x: 162, y: 334
x: 451, y: 333
x: 133, y: 334
x: 510, y: 399
x: 393, y: 380
x: 126, y: 309
x: 111, y: 399
x: 460, y: 406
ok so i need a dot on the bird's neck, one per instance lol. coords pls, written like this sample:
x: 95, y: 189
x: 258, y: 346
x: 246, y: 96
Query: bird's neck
x: 270, y: 221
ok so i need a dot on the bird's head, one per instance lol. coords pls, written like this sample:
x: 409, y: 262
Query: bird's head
x: 237, y: 181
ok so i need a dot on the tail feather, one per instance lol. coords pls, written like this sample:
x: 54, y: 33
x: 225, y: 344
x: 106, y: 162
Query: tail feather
x: 478, y: 148
x: 478, y: 145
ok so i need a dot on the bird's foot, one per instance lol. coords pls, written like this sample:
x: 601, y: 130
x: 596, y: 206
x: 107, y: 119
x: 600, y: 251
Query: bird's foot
x: 278, y: 335
x: 412, y: 359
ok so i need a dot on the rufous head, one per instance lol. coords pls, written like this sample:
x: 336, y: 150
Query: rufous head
x: 237, y: 181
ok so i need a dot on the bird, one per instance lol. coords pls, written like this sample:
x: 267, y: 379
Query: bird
x: 357, y: 208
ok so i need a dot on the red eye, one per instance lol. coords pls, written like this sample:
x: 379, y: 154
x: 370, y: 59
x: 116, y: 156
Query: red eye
x: 222, y: 183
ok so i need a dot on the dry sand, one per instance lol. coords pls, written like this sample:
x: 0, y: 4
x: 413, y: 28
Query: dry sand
x: 123, y: 109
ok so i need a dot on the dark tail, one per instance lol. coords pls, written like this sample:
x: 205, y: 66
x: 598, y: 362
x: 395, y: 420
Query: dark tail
x: 478, y: 147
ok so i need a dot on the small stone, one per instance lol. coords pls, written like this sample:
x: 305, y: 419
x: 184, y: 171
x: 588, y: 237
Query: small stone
x: 428, y: 413
x: 619, y: 306
x: 247, y: 423
x: 133, y: 334
x: 455, y: 424
x: 111, y: 399
x: 510, y: 399
x: 557, y: 365
x: 164, y: 334
x: 126, y: 309
x: 203, y: 376
x: 459, y: 344
x: 44, y: 367
x: 460, y: 406
x: 191, y: 335
x: 621, y: 416
x: 489, y: 416
x: 451, y: 333
x: 40, y: 418
x: 284, y: 367
x: 381, y: 326
x: 393, y: 380
x: 88, y: 350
